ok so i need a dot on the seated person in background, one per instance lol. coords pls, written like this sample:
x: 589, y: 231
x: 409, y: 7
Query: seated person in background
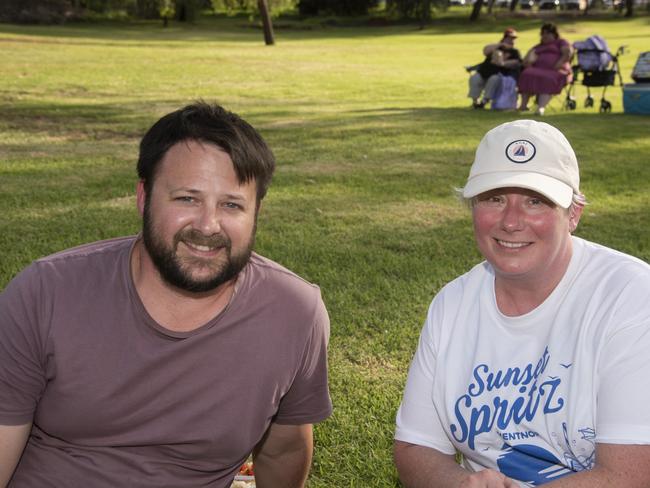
x: 500, y: 58
x: 533, y: 365
x: 546, y: 69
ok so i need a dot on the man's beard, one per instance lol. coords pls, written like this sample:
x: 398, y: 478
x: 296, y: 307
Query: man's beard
x: 177, y: 271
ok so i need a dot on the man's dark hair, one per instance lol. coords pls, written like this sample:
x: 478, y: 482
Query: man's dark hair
x: 200, y: 121
x: 550, y: 28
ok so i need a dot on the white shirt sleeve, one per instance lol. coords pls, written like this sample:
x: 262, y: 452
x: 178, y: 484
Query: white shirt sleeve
x: 417, y: 419
x: 623, y: 369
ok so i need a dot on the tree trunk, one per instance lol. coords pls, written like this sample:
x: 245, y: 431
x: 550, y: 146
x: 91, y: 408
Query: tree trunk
x: 146, y: 9
x: 186, y: 10
x: 513, y: 5
x: 266, y: 22
x: 476, y: 10
x: 629, y: 8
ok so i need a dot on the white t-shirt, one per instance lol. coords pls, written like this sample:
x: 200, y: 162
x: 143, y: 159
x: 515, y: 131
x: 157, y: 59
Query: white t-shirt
x: 531, y: 395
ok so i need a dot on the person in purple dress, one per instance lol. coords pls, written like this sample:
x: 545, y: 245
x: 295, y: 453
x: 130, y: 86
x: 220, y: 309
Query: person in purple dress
x: 546, y: 69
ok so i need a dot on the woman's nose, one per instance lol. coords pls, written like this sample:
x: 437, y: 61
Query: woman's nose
x: 512, y: 218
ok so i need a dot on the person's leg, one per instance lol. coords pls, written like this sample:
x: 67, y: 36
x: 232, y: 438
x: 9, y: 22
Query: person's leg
x: 476, y: 85
x: 524, y: 101
x: 491, y: 87
x: 542, y: 102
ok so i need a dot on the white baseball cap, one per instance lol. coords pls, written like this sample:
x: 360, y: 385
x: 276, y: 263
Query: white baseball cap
x: 525, y: 154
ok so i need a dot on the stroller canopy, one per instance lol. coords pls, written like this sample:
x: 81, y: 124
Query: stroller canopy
x: 593, y: 54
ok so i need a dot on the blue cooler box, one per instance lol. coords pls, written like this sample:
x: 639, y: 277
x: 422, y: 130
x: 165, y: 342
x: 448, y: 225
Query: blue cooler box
x: 636, y: 98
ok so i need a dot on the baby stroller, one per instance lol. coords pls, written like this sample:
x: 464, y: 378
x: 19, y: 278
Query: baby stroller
x: 599, y: 67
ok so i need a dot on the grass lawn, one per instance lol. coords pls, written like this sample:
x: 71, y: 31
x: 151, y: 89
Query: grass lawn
x: 372, y: 132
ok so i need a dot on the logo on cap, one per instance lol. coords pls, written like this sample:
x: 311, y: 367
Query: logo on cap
x: 520, y: 151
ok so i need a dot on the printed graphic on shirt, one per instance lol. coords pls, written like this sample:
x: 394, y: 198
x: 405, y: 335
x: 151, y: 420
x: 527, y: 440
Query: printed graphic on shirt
x: 536, y: 466
x: 531, y: 464
x: 584, y: 458
x: 497, y: 401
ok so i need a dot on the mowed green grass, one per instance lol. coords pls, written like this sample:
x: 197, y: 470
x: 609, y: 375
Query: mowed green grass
x: 371, y: 131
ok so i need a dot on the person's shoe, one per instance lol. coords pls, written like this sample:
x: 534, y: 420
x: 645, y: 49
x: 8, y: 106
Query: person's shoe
x: 478, y: 105
x: 523, y: 109
x: 540, y: 111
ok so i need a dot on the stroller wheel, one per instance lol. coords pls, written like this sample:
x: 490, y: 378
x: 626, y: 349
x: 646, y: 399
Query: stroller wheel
x: 570, y: 104
x: 589, y: 102
x: 605, y: 106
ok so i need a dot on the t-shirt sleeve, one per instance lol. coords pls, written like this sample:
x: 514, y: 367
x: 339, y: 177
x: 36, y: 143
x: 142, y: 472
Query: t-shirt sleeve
x: 417, y: 419
x: 624, y: 368
x: 22, y: 377
x: 308, y: 399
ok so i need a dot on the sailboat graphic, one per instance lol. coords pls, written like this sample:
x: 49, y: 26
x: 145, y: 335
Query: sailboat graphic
x: 520, y: 151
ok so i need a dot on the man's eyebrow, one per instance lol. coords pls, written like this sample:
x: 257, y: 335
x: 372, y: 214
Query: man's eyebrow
x: 185, y: 189
x: 235, y: 196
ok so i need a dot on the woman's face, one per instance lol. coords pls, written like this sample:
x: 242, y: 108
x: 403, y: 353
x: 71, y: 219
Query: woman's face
x: 547, y: 37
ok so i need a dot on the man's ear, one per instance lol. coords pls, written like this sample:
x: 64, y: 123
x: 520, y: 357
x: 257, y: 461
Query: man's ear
x: 140, y: 196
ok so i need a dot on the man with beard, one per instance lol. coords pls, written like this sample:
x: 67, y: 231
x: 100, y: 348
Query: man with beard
x: 165, y: 359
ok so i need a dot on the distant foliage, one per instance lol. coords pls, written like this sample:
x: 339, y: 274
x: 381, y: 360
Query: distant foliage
x: 250, y: 6
x: 186, y: 10
x: 58, y: 11
x: 36, y: 11
x: 410, y: 9
x: 415, y: 9
x: 335, y: 7
x: 148, y: 9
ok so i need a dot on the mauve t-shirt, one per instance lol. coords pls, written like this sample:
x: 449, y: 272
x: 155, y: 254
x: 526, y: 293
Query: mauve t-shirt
x: 119, y: 401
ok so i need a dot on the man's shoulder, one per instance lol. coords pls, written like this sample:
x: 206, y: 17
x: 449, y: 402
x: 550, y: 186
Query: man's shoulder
x: 90, y: 250
x: 264, y: 268
x: 90, y: 260
x: 273, y: 290
x: 74, y: 269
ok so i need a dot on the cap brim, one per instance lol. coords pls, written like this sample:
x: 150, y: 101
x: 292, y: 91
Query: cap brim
x: 556, y: 191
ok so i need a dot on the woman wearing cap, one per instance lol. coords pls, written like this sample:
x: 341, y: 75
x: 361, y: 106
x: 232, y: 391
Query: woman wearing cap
x: 534, y: 365
x: 501, y: 58
x: 546, y: 69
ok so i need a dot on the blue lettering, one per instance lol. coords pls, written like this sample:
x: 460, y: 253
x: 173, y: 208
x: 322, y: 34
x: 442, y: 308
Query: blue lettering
x: 475, y: 389
x: 548, y: 408
x: 479, y: 423
x: 461, y: 419
x: 501, y: 412
x: 473, y: 420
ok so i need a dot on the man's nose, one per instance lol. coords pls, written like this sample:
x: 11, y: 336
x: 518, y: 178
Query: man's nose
x: 209, y: 221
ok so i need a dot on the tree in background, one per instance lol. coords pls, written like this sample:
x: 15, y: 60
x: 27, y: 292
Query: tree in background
x: 412, y: 9
x: 186, y: 10
x: 266, y: 22
x: 166, y: 11
x: 335, y: 7
x: 476, y: 10
x: 36, y: 11
x: 147, y: 9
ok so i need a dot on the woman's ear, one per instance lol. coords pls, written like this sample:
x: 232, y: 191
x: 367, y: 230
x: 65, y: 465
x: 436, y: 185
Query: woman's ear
x: 575, y: 212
